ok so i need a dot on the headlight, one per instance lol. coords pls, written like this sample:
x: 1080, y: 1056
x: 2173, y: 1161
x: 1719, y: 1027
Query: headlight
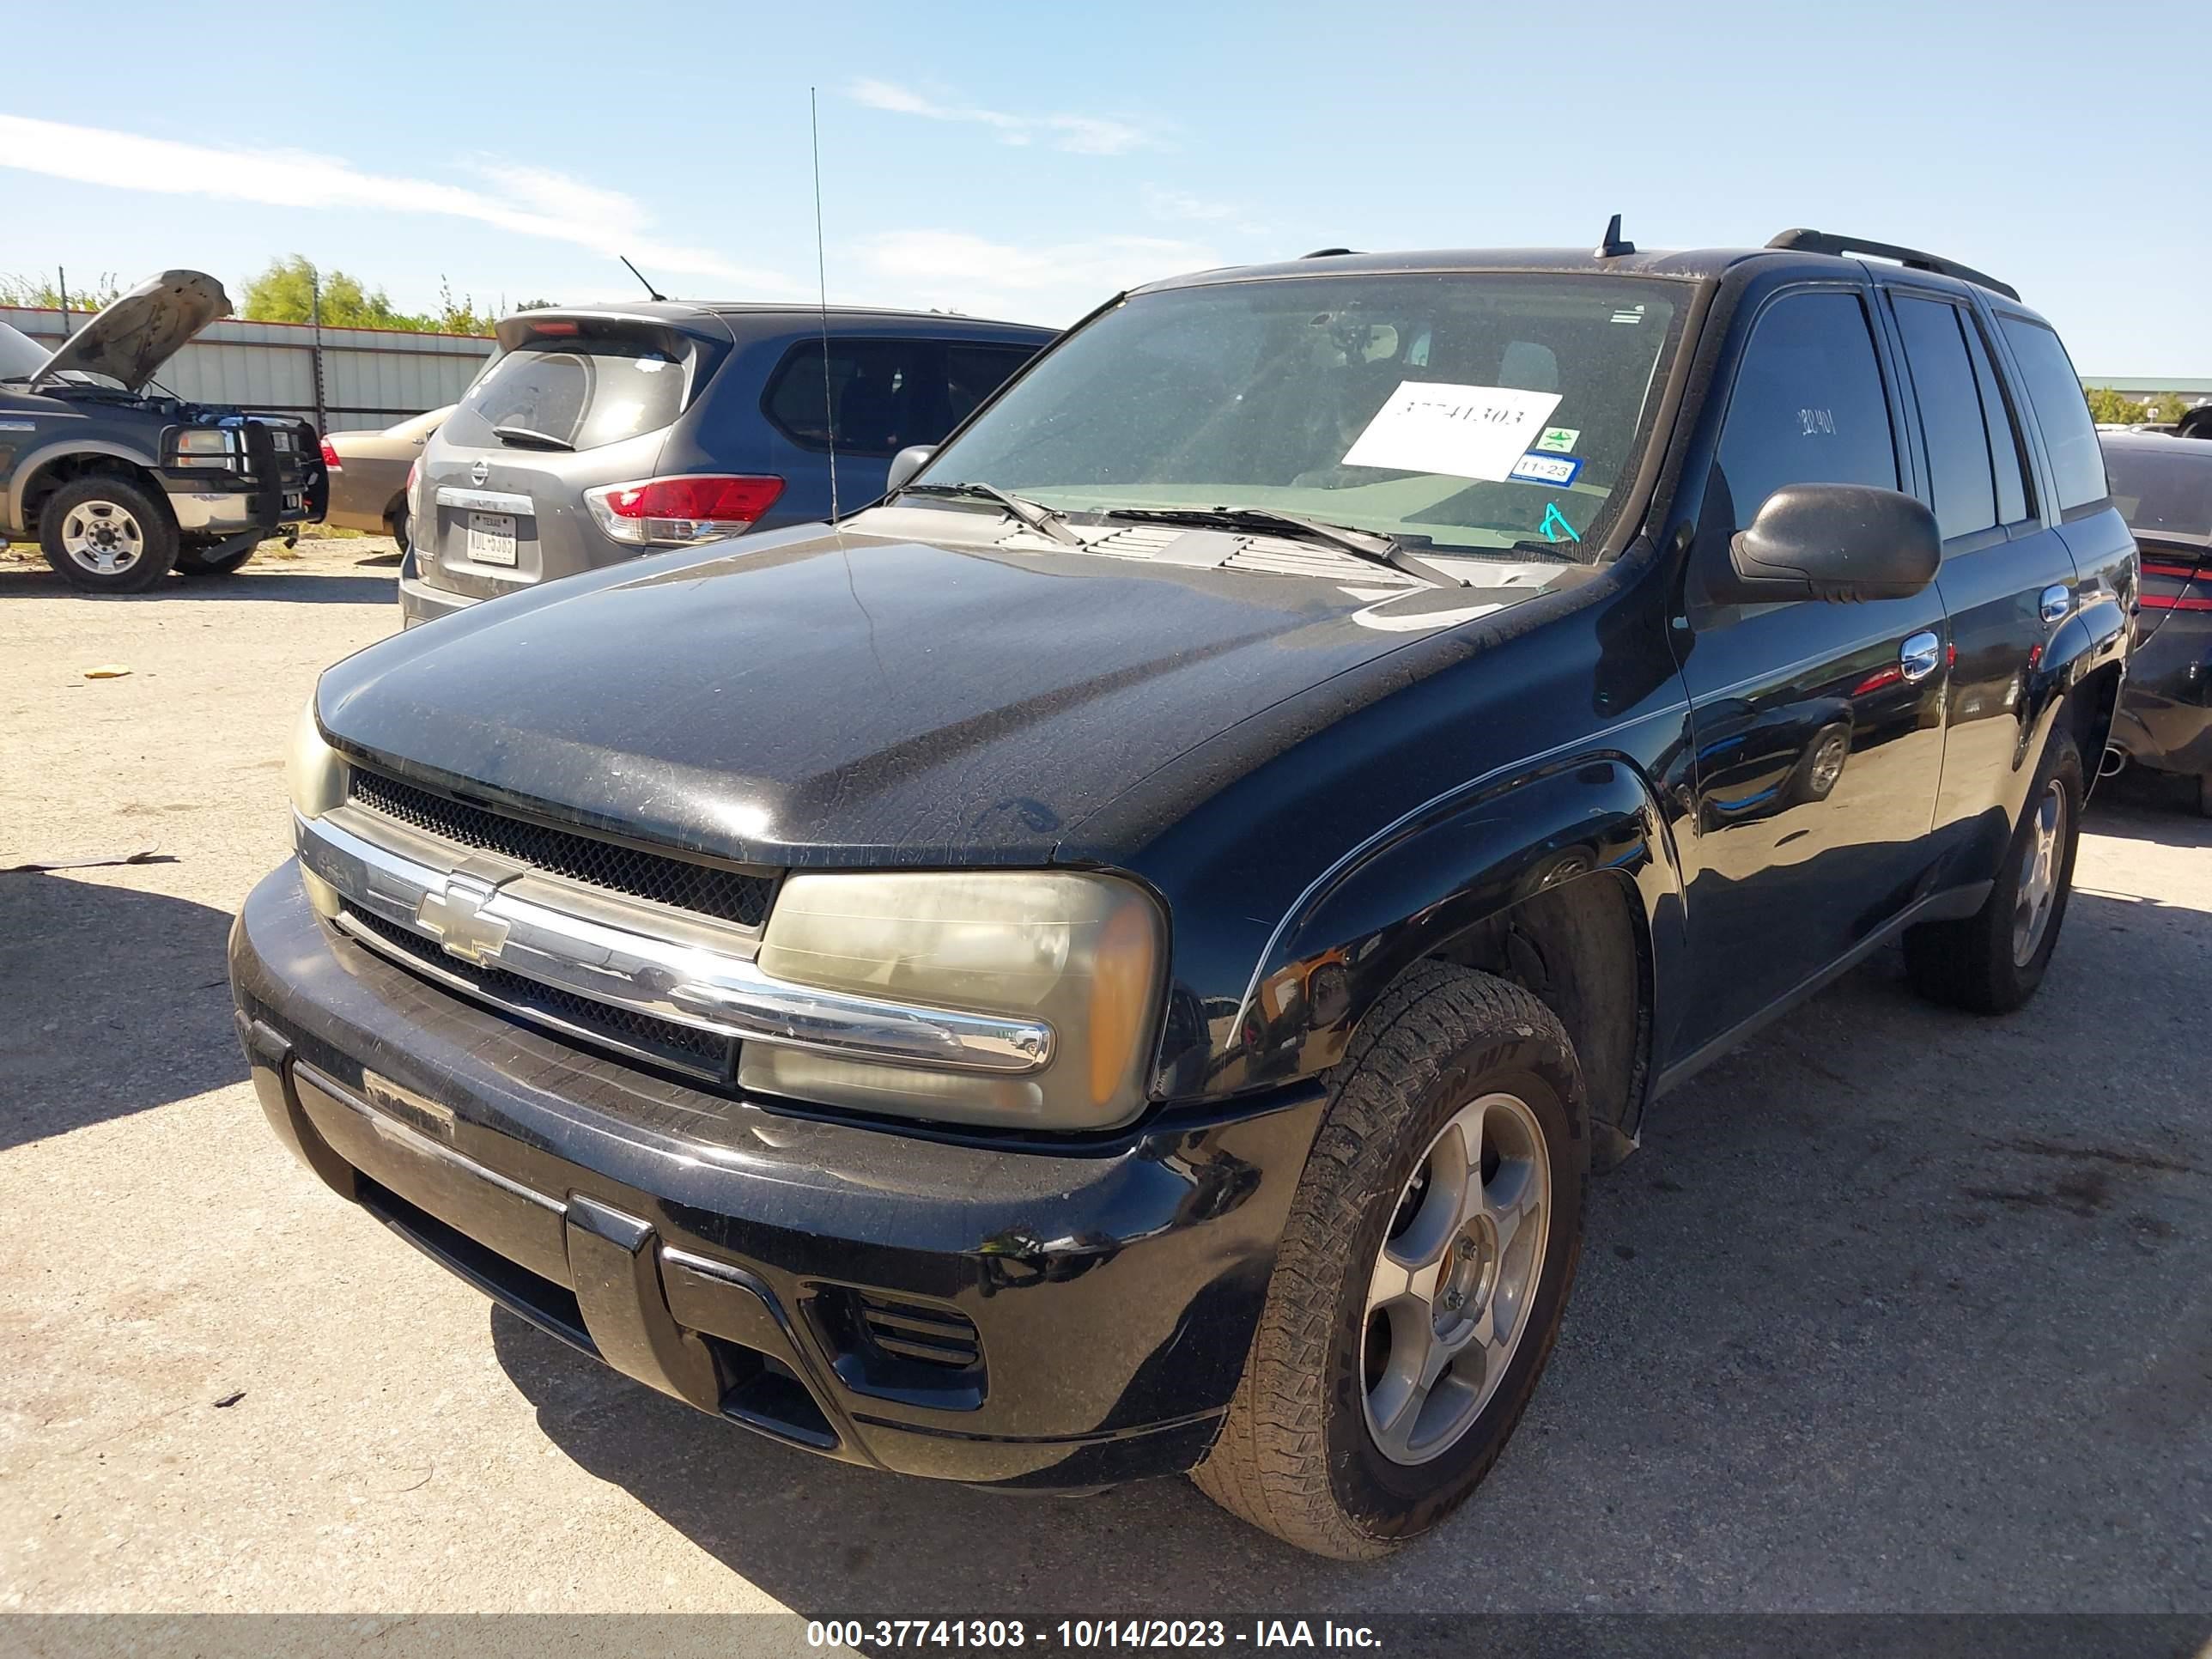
x: 313, y: 773
x: 1082, y: 953
x: 206, y: 445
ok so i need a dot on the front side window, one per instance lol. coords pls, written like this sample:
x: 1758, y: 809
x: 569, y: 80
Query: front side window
x: 2069, y: 436
x: 1463, y: 412
x: 1951, y: 423
x: 580, y: 393
x: 1807, y: 407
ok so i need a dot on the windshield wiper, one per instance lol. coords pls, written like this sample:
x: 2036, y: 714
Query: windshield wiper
x: 1035, y: 514
x: 523, y: 437
x: 1371, y: 545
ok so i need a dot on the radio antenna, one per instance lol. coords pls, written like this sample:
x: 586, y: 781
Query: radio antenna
x: 651, y: 292
x: 822, y: 285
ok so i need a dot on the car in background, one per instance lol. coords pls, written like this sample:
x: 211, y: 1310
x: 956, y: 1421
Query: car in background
x: 2163, y: 488
x: 369, y: 472
x: 118, y: 481
x: 599, y: 433
x: 2196, y: 423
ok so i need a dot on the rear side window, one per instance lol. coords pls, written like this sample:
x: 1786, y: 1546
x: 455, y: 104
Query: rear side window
x: 582, y: 392
x: 884, y: 394
x: 2077, y: 465
x: 1808, y: 406
x: 2162, y: 491
x: 1951, y: 422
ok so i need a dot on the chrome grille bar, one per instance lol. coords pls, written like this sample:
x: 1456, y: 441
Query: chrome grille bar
x: 477, y: 920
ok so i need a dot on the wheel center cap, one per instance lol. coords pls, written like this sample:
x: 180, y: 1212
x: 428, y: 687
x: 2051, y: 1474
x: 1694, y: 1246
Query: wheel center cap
x: 1470, y: 1272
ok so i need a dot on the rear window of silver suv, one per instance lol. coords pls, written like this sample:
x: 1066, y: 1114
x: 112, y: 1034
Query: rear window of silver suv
x: 582, y: 392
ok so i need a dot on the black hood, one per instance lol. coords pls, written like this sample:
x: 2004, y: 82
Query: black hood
x: 795, y: 701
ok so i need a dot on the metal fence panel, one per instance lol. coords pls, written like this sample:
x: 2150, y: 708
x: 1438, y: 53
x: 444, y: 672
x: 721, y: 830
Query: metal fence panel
x: 371, y: 377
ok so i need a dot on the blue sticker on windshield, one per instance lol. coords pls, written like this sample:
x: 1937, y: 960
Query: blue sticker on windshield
x: 1556, y: 470
x: 1554, y: 522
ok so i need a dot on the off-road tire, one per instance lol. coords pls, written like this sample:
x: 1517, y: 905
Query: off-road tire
x: 157, y: 527
x: 395, y: 525
x: 1969, y: 963
x: 1295, y: 1457
x: 192, y: 562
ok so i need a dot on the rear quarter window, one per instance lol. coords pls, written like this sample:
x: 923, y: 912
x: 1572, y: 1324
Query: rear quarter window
x: 2069, y: 436
x: 584, y: 392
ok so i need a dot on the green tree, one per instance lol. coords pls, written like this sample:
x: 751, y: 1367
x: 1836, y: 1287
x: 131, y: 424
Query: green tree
x: 102, y: 290
x: 286, y: 293
x: 2108, y: 408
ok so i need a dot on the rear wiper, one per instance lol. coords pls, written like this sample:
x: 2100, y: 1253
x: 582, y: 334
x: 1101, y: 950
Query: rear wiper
x: 1368, y: 545
x: 523, y: 437
x: 1035, y: 514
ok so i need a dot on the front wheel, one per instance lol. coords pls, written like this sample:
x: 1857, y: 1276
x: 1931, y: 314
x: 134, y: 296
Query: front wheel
x: 108, y: 534
x: 1422, y: 1276
x: 1991, y: 962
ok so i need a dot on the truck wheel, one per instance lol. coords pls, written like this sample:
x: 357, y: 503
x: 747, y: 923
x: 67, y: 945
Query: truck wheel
x: 2204, y: 794
x: 396, y: 522
x: 108, y: 534
x: 1422, y: 1275
x: 1991, y: 962
x: 195, y: 561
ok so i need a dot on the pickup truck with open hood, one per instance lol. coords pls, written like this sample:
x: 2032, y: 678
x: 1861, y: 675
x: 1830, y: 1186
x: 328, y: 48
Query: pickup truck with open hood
x: 116, y: 480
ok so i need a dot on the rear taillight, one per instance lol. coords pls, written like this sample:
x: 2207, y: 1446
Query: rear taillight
x: 678, y: 512
x: 331, y: 456
x: 2171, y: 584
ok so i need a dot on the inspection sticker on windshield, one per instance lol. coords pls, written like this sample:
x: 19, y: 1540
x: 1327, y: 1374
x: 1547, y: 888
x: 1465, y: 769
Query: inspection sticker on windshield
x: 1555, y: 470
x: 1461, y: 431
x: 1559, y: 439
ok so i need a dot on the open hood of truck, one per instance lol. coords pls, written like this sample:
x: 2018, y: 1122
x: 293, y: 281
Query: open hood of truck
x: 130, y: 340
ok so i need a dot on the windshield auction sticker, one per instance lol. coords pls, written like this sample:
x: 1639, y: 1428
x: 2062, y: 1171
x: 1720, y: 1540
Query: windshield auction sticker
x: 1460, y: 431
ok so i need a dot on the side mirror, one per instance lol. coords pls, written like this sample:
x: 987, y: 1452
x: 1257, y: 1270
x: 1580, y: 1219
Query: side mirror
x: 1832, y: 541
x: 904, y: 465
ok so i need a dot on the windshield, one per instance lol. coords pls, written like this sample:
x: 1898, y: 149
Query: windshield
x: 1458, y: 411
x: 2162, y: 491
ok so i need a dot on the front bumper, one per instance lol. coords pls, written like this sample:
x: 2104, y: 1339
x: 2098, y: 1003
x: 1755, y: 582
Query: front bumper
x: 1041, y: 1319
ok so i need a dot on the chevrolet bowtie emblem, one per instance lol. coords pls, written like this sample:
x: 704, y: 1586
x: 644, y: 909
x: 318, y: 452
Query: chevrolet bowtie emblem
x: 456, y: 916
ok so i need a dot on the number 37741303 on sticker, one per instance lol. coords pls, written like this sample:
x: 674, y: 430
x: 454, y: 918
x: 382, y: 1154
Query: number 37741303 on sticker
x: 1461, y: 431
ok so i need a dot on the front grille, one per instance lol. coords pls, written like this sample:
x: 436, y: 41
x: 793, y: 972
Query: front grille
x: 726, y: 895
x: 704, y: 1054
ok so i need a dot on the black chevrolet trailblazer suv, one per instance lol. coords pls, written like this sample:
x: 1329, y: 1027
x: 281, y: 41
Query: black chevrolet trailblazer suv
x: 1121, y: 957
x: 117, y: 481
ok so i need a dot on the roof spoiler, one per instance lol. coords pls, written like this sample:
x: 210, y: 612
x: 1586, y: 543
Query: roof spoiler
x: 1912, y: 258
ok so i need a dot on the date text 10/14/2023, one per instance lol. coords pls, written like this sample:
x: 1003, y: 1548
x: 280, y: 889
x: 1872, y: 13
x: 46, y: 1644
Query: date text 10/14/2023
x: 1084, y: 1635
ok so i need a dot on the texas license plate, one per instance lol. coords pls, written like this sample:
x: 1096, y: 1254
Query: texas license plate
x: 491, y: 538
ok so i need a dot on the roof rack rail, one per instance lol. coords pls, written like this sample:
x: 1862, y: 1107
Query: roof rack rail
x: 1912, y: 258
x: 1326, y: 252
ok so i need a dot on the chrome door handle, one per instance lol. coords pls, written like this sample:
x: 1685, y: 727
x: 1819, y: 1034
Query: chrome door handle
x: 1918, y: 656
x: 2057, y: 602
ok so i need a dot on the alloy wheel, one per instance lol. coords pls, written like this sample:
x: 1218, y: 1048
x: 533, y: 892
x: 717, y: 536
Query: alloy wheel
x: 1448, y: 1300
x: 103, y: 537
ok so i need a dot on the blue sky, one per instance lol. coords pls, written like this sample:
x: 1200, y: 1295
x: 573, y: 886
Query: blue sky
x: 1027, y: 161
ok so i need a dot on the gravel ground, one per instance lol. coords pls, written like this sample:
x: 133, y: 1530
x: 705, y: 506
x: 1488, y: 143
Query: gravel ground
x: 1896, y: 1309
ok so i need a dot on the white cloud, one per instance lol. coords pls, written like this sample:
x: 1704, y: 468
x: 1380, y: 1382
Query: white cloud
x: 1081, y: 134
x: 1164, y: 203
x: 1053, y: 283
x: 530, y: 201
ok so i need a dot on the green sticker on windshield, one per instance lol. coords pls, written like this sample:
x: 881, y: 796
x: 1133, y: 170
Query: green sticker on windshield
x: 1559, y: 440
